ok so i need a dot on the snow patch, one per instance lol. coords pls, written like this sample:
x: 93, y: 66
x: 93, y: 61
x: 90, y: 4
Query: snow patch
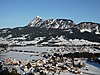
x: 83, y: 30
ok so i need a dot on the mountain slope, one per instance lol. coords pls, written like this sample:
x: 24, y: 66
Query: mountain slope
x: 52, y: 29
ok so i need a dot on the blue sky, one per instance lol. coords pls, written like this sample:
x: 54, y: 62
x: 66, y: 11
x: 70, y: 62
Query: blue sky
x: 16, y: 13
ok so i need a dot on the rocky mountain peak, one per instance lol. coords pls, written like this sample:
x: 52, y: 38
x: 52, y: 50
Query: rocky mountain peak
x: 35, y: 22
x: 51, y: 23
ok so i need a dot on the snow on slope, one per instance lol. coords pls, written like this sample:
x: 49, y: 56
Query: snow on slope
x: 61, y: 41
x: 82, y: 42
x: 83, y: 30
x: 93, y: 68
x: 3, y: 41
x: 57, y: 41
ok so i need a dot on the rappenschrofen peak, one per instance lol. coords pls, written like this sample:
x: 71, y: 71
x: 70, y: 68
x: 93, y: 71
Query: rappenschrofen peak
x: 51, y: 23
x: 35, y: 22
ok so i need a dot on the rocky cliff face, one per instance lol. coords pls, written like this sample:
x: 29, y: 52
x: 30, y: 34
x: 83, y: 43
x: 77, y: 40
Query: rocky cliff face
x: 51, y: 23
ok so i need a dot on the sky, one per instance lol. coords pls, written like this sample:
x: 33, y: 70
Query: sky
x: 18, y: 13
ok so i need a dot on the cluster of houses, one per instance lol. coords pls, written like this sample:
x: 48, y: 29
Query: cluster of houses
x: 49, y: 65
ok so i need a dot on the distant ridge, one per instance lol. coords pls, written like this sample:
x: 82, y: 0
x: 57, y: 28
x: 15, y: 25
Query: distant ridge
x: 44, y: 31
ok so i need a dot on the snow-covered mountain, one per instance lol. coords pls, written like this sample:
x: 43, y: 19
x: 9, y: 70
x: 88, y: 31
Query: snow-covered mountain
x: 89, y: 27
x: 36, y: 22
x: 53, y: 31
x: 64, y: 24
x: 51, y: 23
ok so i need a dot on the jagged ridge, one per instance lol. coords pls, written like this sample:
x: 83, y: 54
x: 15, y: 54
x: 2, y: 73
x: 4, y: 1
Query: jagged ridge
x: 64, y: 24
x: 51, y: 23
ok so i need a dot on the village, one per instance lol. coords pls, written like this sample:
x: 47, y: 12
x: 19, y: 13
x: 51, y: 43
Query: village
x: 57, y: 61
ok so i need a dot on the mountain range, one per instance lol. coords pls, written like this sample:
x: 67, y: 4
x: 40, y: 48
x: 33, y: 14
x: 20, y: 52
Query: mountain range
x: 52, y: 31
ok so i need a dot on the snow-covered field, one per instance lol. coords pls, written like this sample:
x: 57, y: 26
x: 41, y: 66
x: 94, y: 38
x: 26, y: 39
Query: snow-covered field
x: 25, y: 55
x: 38, y: 50
x: 32, y: 48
